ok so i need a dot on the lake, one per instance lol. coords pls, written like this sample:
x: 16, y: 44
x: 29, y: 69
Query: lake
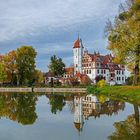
x: 67, y: 117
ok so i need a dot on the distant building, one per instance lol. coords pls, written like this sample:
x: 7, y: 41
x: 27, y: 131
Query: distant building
x: 69, y: 72
x: 97, y: 66
x: 49, y: 76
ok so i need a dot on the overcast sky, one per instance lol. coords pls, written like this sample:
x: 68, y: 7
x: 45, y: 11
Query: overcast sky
x: 52, y: 26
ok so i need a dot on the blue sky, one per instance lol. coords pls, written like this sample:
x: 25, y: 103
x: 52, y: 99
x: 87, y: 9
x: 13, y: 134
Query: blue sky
x: 52, y: 26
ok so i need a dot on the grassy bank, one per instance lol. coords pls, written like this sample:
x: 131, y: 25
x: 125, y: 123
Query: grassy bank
x: 129, y: 93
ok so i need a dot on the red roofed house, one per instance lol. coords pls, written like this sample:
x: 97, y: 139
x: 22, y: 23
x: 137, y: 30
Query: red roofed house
x: 69, y: 72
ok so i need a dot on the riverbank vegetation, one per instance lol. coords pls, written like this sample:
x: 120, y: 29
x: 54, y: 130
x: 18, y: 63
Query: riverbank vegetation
x: 129, y: 93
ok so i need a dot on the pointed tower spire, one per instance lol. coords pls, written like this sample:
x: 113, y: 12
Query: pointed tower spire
x: 78, y: 36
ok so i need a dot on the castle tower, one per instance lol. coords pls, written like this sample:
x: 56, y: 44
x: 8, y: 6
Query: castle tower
x: 78, y: 53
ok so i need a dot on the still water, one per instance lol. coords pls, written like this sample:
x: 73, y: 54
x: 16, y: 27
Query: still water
x: 67, y: 117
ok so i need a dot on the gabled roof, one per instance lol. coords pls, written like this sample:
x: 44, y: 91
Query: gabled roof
x: 106, y: 61
x: 69, y: 70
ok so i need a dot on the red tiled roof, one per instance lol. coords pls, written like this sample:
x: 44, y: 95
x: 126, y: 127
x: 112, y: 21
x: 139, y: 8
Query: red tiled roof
x: 78, y: 74
x: 77, y: 44
x: 69, y: 70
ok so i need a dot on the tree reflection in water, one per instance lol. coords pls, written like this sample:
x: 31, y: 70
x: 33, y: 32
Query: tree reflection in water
x: 57, y: 102
x: 128, y: 129
x: 18, y: 107
x: 21, y: 108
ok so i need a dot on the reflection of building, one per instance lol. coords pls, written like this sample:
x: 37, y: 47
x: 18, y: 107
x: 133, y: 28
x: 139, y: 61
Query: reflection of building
x: 78, y: 113
x: 89, y: 106
x: 90, y: 103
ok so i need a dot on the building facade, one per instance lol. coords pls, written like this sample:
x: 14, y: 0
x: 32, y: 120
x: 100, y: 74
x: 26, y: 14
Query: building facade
x: 97, y: 66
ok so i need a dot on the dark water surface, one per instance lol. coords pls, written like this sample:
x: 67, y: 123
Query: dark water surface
x: 67, y: 117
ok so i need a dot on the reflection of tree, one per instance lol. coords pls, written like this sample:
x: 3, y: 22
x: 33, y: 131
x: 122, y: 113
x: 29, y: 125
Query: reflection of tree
x: 57, y: 103
x: 128, y: 129
x: 26, y: 109
x: 18, y: 107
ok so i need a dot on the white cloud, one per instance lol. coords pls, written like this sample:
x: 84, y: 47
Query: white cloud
x: 19, y: 19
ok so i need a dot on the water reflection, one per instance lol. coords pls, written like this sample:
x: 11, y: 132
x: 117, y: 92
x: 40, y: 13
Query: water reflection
x: 57, y: 102
x: 90, y: 106
x: 128, y: 129
x: 18, y: 107
x: 21, y: 108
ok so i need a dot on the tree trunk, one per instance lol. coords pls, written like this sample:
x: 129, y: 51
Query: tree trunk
x: 137, y: 65
x: 136, y: 114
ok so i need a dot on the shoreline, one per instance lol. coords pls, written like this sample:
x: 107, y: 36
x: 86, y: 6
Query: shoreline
x: 127, y: 93
x: 41, y: 90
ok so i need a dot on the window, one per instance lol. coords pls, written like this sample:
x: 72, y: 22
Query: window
x: 122, y: 72
x: 104, y: 72
x: 89, y: 71
x: 101, y: 71
x: 76, y: 65
x: 97, y: 64
x: 122, y: 78
x: 84, y: 71
x: 98, y: 71
x: 112, y: 74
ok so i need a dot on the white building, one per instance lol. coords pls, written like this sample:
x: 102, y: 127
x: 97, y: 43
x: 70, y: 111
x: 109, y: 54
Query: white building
x: 97, y: 66
x: 78, y: 53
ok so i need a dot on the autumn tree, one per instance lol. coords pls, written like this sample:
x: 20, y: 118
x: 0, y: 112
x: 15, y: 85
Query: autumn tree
x: 9, y: 61
x: 124, y: 37
x: 57, y: 66
x: 26, y: 64
x: 2, y: 73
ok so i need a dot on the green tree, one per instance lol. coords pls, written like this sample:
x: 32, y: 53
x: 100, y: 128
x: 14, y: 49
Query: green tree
x: 26, y: 64
x: 124, y: 37
x: 57, y: 66
x: 2, y: 73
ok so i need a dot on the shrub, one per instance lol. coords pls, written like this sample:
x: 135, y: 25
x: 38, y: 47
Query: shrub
x: 101, y: 83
